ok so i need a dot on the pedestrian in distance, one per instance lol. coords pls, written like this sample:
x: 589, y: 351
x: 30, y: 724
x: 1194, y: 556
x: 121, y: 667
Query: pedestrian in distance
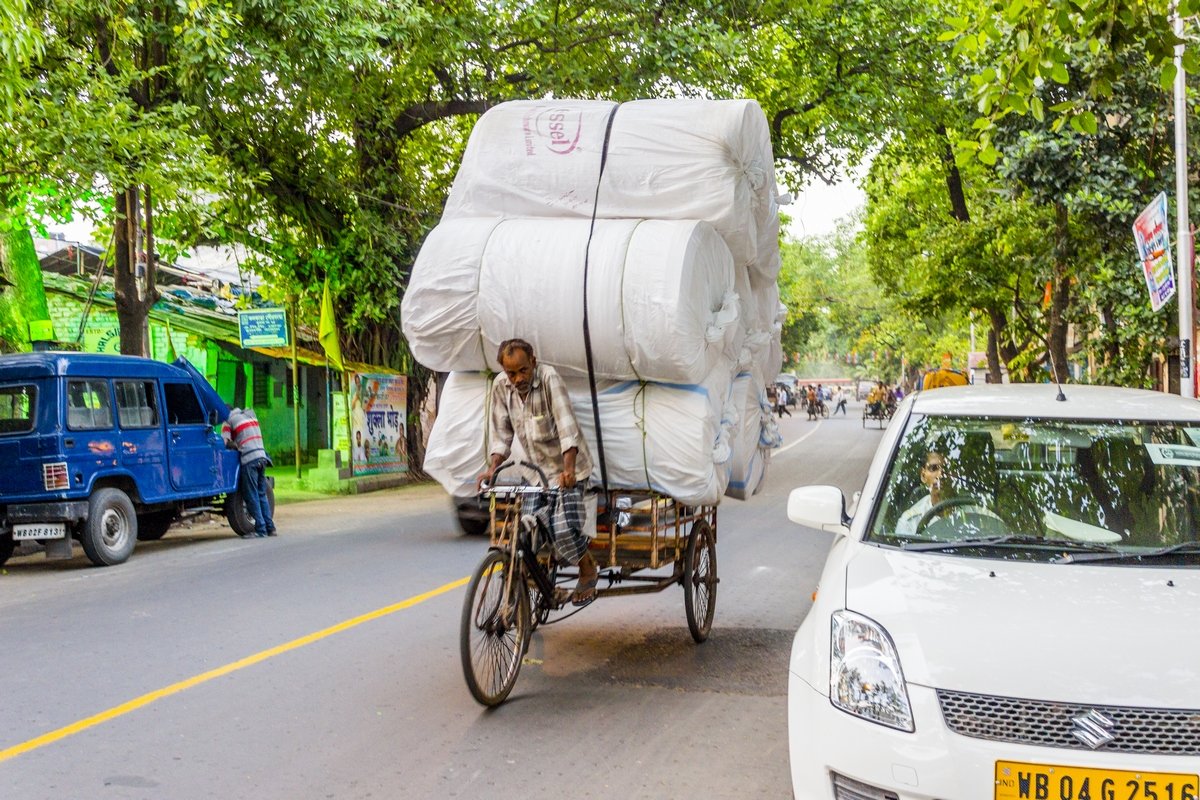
x: 782, y: 401
x: 839, y: 397
x: 241, y: 432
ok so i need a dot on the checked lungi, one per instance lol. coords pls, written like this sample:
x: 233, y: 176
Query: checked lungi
x: 564, y: 514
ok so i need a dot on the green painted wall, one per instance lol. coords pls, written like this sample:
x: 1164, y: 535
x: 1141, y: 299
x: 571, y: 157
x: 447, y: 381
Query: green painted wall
x: 22, y: 295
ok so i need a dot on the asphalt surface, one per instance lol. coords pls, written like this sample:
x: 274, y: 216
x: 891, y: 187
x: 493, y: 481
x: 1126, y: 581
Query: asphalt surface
x: 324, y: 663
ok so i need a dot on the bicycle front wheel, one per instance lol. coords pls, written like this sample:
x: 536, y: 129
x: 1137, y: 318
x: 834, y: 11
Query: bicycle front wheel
x: 495, y: 626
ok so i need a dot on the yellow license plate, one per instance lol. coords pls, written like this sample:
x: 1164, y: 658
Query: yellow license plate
x: 1016, y: 780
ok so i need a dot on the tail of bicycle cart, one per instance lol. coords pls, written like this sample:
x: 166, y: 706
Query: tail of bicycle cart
x: 643, y: 542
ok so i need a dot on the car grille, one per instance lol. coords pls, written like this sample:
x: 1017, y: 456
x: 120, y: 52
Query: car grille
x: 1162, y: 731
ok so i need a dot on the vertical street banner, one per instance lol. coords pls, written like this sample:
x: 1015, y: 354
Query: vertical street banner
x: 379, y: 417
x: 1154, y: 250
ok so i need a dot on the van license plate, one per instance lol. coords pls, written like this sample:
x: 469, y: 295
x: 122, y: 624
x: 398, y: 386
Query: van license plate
x: 1020, y: 781
x: 39, y: 530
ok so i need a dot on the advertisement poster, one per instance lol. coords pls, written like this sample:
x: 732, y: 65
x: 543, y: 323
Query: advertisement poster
x: 341, y: 435
x: 1154, y: 251
x: 378, y: 415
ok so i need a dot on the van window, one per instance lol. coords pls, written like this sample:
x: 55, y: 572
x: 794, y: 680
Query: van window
x: 89, y: 407
x: 17, y: 404
x: 136, y: 405
x: 183, y: 407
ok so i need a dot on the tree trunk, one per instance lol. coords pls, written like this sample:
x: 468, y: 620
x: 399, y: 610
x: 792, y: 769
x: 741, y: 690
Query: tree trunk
x: 958, y: 197
x: 135, y: 291
x: 1060, y: 298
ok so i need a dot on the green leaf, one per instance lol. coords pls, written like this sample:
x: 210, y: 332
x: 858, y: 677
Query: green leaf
x: 1084, y: 122
x: 1059, y: 74
x: 1166, y: 76
x: 946, y: 36
x: 1035, y: 106
x: 1013, y: 12
x: 989, y: 155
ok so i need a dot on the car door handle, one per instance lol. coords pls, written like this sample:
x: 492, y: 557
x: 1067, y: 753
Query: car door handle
x: 174, y: 437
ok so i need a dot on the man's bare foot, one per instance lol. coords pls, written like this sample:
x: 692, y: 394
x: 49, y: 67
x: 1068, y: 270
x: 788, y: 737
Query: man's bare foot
x: 585, y: 590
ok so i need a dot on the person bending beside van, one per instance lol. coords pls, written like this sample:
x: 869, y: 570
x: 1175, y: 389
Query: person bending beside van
x: 242, y: 433
x: 530, y: 401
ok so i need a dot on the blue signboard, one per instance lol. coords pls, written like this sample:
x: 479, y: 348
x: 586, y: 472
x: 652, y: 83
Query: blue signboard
x: 263, y: 327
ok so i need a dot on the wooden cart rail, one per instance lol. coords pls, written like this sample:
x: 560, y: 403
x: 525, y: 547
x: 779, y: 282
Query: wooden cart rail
x: 635, y: 530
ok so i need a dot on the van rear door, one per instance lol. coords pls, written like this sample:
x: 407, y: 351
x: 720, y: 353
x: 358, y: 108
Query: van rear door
x: 193, y: 447
x: 20, y: 444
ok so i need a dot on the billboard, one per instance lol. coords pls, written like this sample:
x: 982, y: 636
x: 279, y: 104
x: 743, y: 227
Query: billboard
x: 379, y: 419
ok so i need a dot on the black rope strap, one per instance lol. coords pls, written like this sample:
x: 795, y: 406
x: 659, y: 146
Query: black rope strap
x: 587, y: 333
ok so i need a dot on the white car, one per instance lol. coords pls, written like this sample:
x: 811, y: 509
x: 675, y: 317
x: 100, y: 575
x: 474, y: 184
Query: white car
x: 1013, y: 612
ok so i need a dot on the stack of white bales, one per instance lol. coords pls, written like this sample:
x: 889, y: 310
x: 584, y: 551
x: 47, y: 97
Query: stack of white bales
x: 682, y: 301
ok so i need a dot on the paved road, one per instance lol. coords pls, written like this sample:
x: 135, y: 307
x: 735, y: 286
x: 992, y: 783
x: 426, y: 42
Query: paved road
x: 324, y: 663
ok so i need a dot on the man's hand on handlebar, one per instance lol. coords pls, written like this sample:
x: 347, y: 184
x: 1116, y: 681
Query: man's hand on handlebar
x: 566, y: 480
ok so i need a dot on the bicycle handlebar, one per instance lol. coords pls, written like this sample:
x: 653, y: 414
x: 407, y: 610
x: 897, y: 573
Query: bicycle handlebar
x: 541, y: 474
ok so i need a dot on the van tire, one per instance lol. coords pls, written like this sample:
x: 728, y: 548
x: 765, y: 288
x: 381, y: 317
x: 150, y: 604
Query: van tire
x: 7, y: 545
x: 110, y: 532
x: 239, y: 516
x: 154, y: 526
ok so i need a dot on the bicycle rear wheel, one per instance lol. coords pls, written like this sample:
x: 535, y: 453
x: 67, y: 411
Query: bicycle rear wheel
x: 700, y: 580
x: 495, y: 626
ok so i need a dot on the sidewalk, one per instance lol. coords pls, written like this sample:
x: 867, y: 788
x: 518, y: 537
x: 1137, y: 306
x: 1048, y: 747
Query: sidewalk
x: 314, y: 484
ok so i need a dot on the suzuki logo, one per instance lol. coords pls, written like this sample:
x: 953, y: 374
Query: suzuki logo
x: 1093, y: 729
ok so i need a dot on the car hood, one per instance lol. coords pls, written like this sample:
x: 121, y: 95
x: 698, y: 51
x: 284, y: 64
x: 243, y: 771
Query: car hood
x: 1077, y: 633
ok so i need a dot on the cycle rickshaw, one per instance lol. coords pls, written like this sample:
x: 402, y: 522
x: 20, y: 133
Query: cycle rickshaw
x: 512, y: 591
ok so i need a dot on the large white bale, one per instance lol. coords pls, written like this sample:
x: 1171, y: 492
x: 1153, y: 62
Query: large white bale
x: 749, y: 461
x: 667, y: 159
x: 670, y: 438
x: 456, y: 453
x: 661, y: 298
x: 439, y: 312
x: 674, y: 439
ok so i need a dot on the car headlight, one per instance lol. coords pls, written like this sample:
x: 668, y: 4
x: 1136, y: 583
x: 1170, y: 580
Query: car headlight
x: 865, y: 678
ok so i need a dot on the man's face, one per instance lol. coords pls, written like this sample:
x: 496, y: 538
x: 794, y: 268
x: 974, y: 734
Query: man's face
x: 519, y: 366
x: 934, y: 470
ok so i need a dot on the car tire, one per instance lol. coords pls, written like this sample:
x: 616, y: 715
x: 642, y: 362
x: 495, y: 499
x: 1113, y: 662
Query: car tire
x: 472, y: 525
x: 7, y: 546
x: 239, y: 515
x: 154, y: 526
x: 110, y: 532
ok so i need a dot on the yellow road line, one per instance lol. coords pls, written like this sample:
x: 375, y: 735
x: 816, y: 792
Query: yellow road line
x: 196, y: 680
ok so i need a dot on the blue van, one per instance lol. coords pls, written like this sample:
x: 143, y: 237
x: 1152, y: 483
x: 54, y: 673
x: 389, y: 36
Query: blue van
x: 107, y: 450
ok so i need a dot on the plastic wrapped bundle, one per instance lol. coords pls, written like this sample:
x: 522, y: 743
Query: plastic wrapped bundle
x: 661, y: 298
x: 748, y: 464
x: 673, y: 439
x: 667, y: 159
x: 456, y: 453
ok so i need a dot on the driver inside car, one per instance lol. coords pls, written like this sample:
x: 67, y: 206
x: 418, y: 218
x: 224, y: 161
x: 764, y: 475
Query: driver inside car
x: 940, y: 485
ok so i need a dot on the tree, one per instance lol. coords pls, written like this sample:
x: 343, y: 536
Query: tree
x: 101, y: 99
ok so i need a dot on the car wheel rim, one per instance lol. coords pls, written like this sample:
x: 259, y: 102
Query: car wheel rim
x: 114, y: 528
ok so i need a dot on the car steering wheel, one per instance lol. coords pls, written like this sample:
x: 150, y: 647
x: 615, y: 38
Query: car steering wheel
x: 949, y: 502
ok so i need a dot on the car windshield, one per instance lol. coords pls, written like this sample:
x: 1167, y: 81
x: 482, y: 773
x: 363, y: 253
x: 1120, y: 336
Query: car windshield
x: 1050, y: 490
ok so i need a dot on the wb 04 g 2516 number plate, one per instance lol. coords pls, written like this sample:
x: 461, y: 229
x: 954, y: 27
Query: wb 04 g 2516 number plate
x: 1019, y: 781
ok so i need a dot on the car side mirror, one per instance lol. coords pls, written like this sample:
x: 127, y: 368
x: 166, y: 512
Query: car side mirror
x: 822, y: 507
x: 212, y: 417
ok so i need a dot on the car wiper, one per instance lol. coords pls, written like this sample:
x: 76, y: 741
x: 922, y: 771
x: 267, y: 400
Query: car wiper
x: 998, y: 541
x: 1124, y: 555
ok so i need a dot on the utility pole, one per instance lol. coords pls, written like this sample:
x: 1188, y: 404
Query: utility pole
x: 1183, y: 234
